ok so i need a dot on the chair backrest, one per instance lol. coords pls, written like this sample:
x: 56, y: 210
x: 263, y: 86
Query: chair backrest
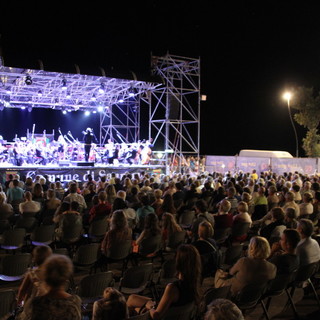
x: 92, y: 286
x: 212, y: 294
x: 239, y: 229
x: 185, y: 312
x: 137, y: 276
x: 27, y: 223
x: 13, y: 238
x: 98, y: 227
x: 176, y: 239
x: 168, y: 269
x: 150, y: 245
x: 187, y: 217
x: 143, y: 316
x: 4, y: 225
x: 15, y: 264
x: 7, y: 302
x: 260, y: 211
x: 43, y: 234
x: 250, y: 295
x: 278, y: 284
x: 86, y: 254
x: 221, y: 235
x: 72, y: 232
x: 233, y: 254
x: 120, y: 251
x: 305, y: 272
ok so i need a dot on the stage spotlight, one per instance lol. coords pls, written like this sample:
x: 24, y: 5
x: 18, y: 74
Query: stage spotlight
x: 22, y: 108
x: 64, y: 112
x: 8, y: 90
x: 87, y: 113
x: 93, y: 98
x: 101, y: 89
x: 39, y: 93
x: 28, y: 80
x: 100, y: 109
x: 29, y: 108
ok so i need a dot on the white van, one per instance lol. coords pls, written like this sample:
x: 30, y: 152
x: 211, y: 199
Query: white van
x: 264, y: 154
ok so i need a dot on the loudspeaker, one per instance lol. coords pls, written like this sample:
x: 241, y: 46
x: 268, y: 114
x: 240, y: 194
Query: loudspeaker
x: 64, y: 163
x: 83, y: 163
x: 173, y: 107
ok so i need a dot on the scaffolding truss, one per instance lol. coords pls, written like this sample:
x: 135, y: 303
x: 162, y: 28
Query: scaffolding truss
x: 117, y: 100
x: 175, y: 111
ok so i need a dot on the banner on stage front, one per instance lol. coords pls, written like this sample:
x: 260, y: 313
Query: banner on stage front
x: 247, y: 164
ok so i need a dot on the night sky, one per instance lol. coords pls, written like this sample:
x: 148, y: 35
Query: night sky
x: 250, y: 51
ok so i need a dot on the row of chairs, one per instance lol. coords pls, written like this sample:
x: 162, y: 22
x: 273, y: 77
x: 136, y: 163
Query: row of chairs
x: 261, y: 294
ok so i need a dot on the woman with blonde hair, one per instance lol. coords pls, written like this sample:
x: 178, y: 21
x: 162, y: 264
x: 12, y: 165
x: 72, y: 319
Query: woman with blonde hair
x: 111, y: 193
x: 252, y: 269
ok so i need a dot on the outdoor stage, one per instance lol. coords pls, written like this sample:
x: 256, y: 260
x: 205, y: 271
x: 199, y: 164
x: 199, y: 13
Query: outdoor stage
x: 78, y: 171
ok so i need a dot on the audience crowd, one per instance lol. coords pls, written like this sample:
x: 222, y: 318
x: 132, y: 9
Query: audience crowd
x: 275, y: 218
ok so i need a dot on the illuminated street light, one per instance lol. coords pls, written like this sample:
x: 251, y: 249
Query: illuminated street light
x: 287, y: 96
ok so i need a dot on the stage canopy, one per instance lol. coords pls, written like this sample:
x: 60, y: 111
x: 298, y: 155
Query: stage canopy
x: 31, y: 89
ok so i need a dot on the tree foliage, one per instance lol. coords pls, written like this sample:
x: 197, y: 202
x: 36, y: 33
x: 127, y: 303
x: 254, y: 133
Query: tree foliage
x: 307, y: 103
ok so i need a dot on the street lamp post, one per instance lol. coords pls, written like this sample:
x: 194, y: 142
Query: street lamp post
x: 287, y: 96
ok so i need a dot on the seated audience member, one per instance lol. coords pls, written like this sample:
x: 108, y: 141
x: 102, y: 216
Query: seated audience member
x: 252, y: 269
x: 290, y: 218
x: 276, y: 226
x: 168, y: 228
x: 32, y: 285
x: 185, y: 290
x: 75, y: 196
x: 290, y: 203
x: 102, y: 209
x: 68, y: 219
x: 112, y: 306
x: 202, y: 214
x: 273, y: 199
x: 151, y: 228
x: 144, y: 210
x: 158, y: 199
x: 308, y: 249
x: 316, y: 207
x: 130, y: 213
x: 29, y: 205
x: 119, y: 232
x: 231, y: 197
x: 223, y: 218
x: 223, y: 309
x: 296, y: 192
x: 6, y: 210
x: 306, y: 206
x: 284, y: 253
x: 209, y: 251
x: 242, y: 213
x: 56, y: 303
x: 166, y: 206
x: 15, y: 194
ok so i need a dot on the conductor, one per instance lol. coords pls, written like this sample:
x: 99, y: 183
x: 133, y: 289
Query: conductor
x: 88, y: 139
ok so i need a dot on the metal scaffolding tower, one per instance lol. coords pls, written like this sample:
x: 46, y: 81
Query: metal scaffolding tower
x: 175, y: 113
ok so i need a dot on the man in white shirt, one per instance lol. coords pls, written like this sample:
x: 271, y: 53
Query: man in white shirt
x: 29, y: 205
x: 74, y: 196
x: 308, y: 249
